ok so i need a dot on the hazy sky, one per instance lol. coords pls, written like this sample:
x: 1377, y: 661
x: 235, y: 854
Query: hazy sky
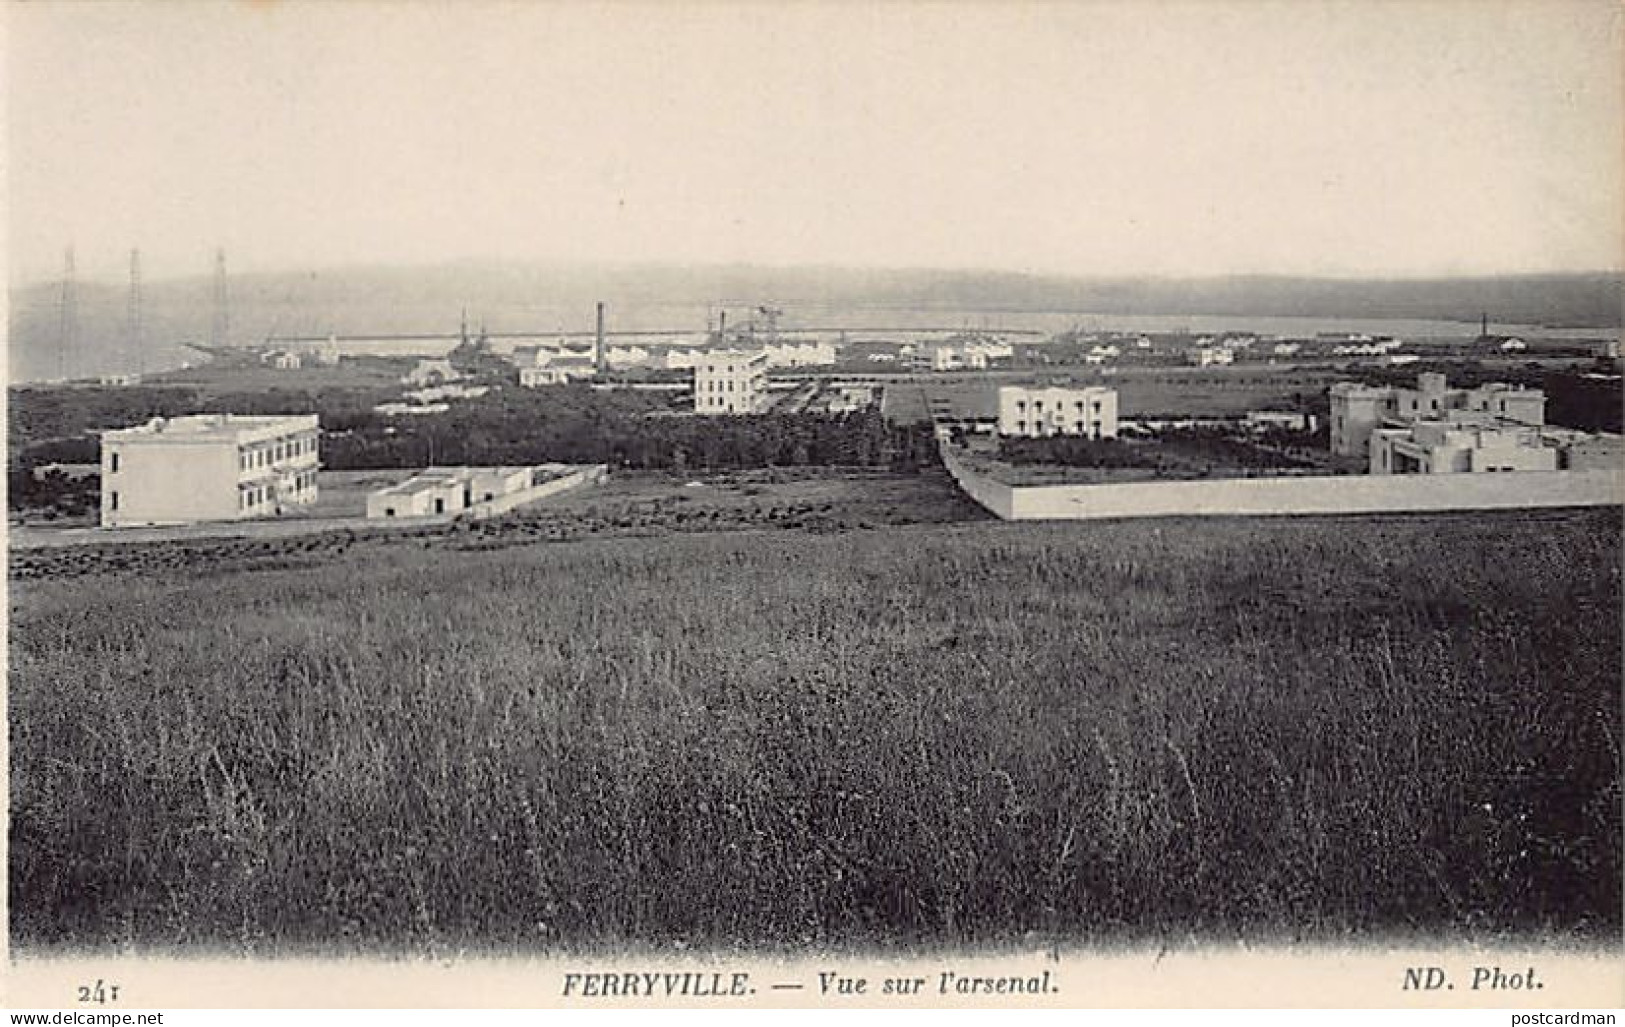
x: 1385, y: 136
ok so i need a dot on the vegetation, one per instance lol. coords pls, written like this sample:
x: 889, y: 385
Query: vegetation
x: 1266, y: 729
x: 1194, y: 452
x: 566, y: 424
x: 576, y: 424
x: 1075, y: 451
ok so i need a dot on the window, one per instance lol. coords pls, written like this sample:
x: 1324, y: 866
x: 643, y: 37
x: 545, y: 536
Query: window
x: 113, y: 463
x: 112, y: 500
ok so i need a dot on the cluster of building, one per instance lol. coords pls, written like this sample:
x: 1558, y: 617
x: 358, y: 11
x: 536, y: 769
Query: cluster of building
x: 556, y: 365
x: 1435, y: 429
x: 208, y: 467
x: 233, y: 467
x: 725, y: 381
x: 957, y: 355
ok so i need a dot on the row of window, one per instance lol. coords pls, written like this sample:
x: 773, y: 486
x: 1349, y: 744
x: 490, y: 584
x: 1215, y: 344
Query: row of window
x: 1077, y: 426
x: 259, y: 494
x: 268, y: 455
x: 256, y: 496
x: 1038, y: 405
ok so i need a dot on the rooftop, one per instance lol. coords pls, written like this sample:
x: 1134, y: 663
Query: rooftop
x: 195, y: 426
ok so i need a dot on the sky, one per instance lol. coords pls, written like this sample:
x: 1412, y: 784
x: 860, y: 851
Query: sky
x: 1384, y: 137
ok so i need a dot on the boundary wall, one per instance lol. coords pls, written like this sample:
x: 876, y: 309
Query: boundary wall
x: 1329, y: 494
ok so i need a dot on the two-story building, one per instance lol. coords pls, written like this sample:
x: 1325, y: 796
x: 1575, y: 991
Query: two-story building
x: 208, y: 467
x: 1035, y: 412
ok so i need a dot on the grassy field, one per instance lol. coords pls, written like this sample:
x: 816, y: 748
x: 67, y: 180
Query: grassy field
x: 1266, y: 729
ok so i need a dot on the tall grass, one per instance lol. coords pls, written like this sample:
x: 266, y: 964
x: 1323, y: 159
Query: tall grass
x: 1259, y: 729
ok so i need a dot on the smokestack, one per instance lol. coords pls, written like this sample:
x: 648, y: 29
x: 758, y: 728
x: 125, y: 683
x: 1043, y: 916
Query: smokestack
x: 598, y: 352
x: 722, y: 328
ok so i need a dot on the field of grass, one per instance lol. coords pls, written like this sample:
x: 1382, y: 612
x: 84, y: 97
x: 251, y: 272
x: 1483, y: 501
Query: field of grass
x: 1266, y: 729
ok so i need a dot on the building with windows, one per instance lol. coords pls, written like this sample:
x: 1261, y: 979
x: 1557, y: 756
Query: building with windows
x: 1357, y: 410
x: 208, y: 467
x: 730, y: 382
x: 1462, y: 441
x: 1036, y: 412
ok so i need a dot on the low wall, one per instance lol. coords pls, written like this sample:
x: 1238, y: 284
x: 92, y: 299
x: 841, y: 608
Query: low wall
x: 1343, y: 494
x: 563, y: 483
x: 994, y: 496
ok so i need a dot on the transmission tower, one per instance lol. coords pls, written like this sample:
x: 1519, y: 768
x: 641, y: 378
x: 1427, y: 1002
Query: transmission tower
x: 222, y: 309
x: 132, y: 314
x: 68, y: 313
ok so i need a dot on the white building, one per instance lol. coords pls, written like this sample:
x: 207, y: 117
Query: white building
x: 730, y: 382
x: 439, y: 491
x: 1035, y: 412
x: 1463, y: 441
x: 1357, y: 409
x: 441, y: 393
x: 432, y: 372
x: 208, y: 467
x: 1209, y: 356
x: 627, y: 356
x: 800, y: 354
x: 558, y: 370
x: 431, y: 493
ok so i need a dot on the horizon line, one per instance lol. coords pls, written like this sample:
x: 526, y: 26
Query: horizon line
x: 497, y: 263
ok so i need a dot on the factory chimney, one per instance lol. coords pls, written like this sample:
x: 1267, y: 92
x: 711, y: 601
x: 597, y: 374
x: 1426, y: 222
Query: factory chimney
x: 598, y: 351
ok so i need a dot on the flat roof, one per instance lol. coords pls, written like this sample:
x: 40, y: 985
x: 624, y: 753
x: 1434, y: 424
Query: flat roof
x: 203, y: 426
x: 431, y: 478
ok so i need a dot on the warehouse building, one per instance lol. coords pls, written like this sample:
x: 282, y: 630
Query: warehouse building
x: 208, y: 467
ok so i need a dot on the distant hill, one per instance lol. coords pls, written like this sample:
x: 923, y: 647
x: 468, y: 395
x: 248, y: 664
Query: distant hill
x: 537, y: 297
